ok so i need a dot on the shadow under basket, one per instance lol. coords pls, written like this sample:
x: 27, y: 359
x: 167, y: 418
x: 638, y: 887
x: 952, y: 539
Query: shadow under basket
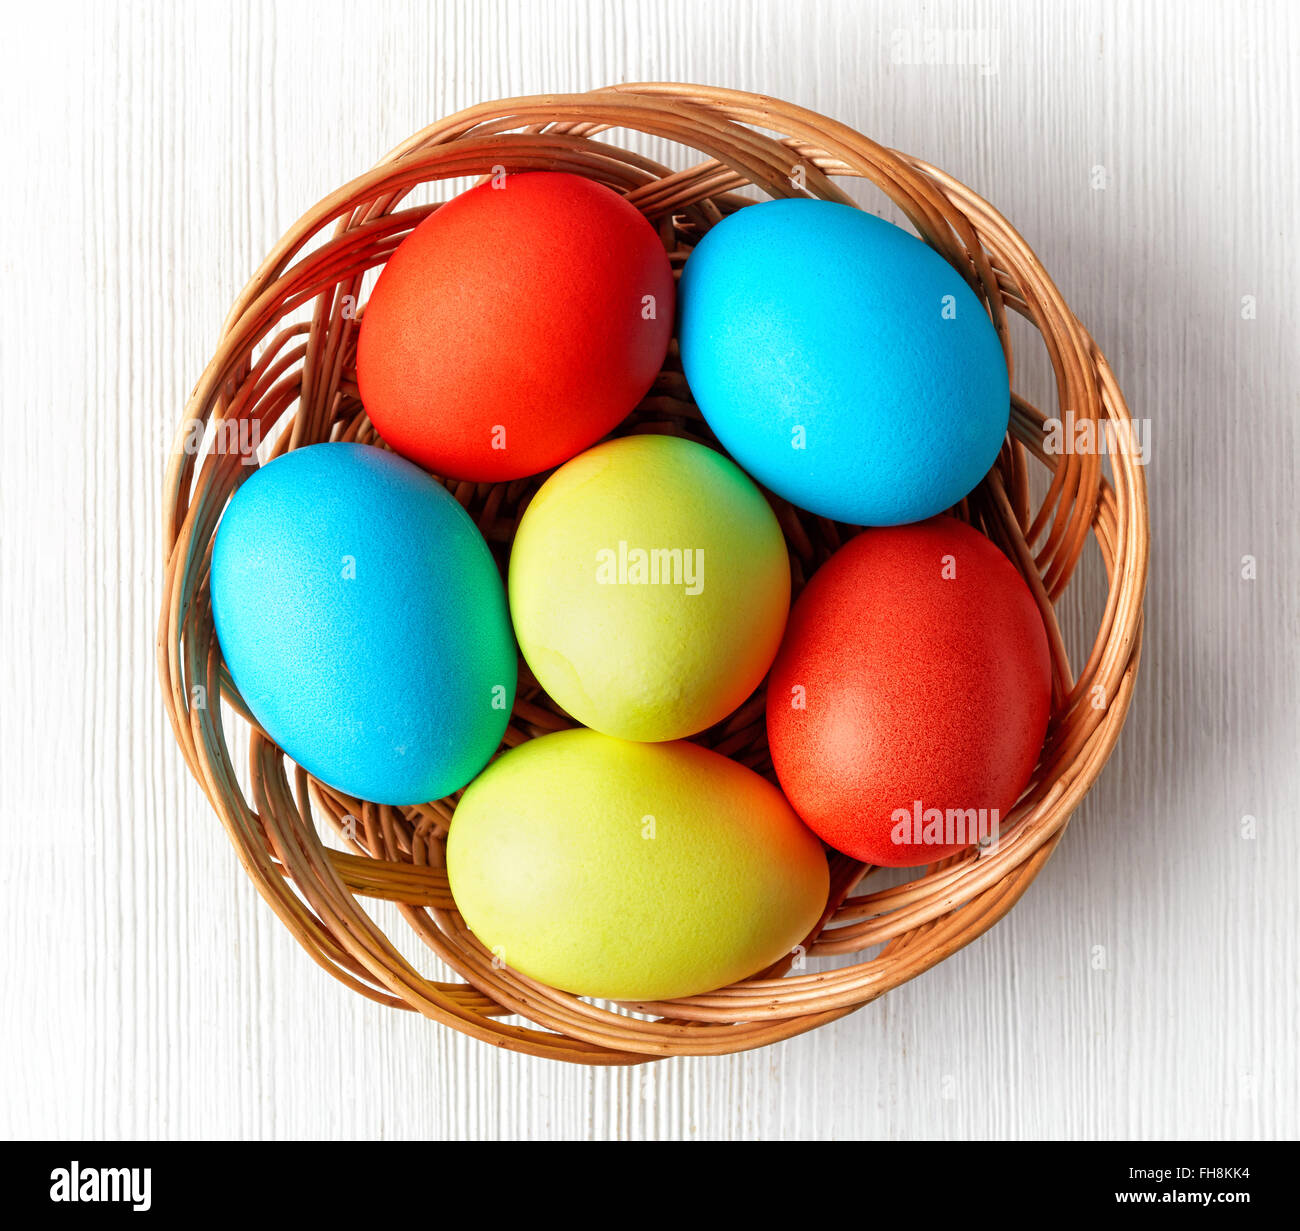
x: 270, y: 374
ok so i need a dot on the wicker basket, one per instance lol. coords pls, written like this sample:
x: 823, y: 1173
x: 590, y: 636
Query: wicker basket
x: 266, y: 369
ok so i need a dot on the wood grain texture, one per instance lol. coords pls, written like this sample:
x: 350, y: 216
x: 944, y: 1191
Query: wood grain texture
x: 1147, y: 984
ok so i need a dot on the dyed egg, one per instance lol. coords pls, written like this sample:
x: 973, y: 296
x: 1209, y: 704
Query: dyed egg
x: 515, y: 326
x: 649, y: 586
x: 842, y: 362
x: 908, y: 705
x: 364, y: 622
x: 632, y: 871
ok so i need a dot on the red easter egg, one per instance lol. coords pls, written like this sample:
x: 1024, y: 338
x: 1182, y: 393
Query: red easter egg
x: 909, y: 701
x: 515, y: 326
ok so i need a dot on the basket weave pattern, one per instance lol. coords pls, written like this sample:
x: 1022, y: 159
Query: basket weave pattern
x: 266, y: 370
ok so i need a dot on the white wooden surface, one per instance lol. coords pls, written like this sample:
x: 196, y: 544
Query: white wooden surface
x: 1147, y: 984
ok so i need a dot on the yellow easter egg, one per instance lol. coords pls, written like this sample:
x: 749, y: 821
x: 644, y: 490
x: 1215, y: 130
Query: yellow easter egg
x: 649, y: 587
x: 632, y: 872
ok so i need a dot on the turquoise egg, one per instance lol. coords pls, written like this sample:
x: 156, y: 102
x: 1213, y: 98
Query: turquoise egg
x: 364, y: 622
x: 842, y: 362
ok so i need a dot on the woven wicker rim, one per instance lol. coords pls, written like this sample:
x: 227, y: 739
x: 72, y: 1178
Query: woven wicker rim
x: 266, y: 369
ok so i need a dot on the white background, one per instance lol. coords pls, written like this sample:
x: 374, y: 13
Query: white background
x: 1145, y: 986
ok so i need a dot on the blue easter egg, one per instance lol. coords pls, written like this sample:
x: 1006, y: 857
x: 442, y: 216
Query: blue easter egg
x: 364, y: 622
x: 842, y: 362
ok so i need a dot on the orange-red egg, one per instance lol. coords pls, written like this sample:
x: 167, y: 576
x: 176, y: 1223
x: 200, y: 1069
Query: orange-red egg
x: 515, y: 326
x: 908, y: 705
